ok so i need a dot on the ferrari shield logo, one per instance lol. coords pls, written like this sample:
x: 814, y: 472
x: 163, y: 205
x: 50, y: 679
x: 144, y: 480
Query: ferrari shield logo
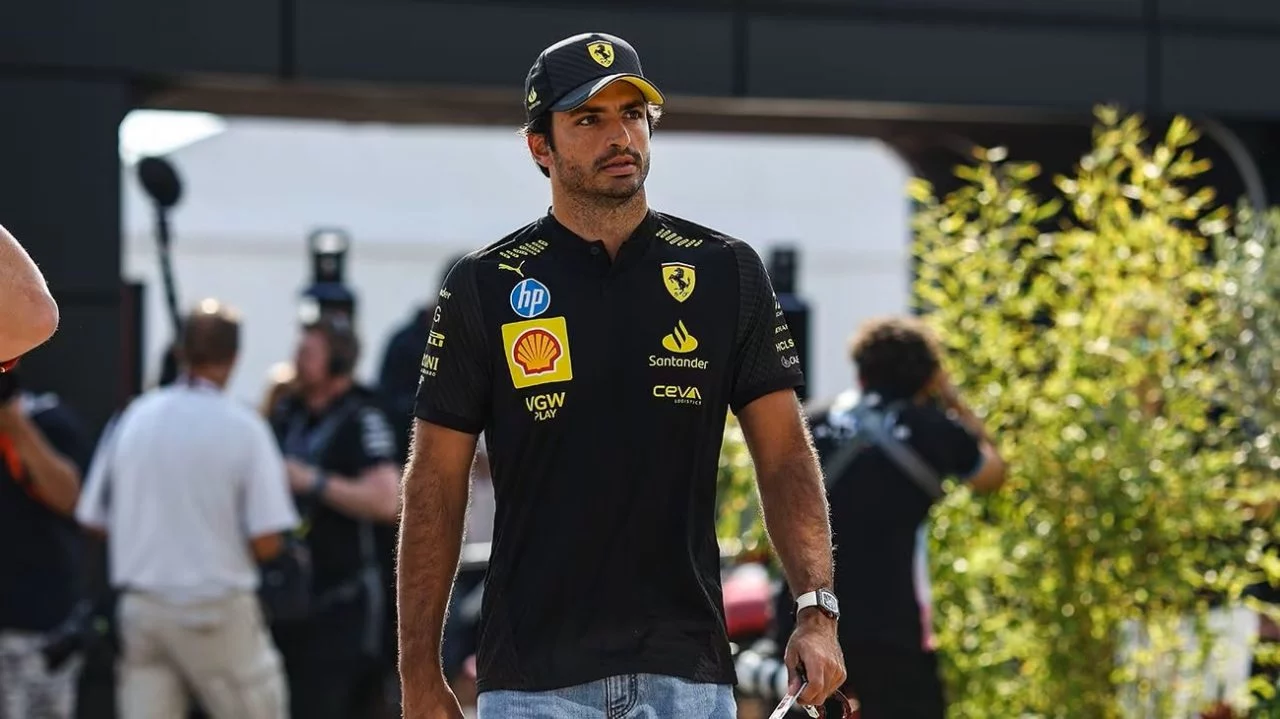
x: 679, y: 279
x: 601, y: 52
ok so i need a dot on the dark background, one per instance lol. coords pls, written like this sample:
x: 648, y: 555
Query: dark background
x: 930, y: 77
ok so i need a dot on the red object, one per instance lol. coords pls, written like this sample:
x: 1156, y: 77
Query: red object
x: 748, y: 602
x: 6, y: 366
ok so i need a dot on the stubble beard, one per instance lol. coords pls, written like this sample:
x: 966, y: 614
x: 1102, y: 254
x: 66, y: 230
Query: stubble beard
x: 591, y: 187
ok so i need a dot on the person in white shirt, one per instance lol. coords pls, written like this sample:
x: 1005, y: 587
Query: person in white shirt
x: 190, y: 488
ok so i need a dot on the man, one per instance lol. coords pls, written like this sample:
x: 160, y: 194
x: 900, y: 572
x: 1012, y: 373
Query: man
x: 341, y: 459
x: 28, y: 313
x: 599, y: 349
x: 190, y: 490
x: 879, y: 510
x: 43, y: 450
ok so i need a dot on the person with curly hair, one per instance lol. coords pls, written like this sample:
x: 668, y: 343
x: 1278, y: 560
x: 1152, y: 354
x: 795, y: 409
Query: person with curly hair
x: 879, y: 511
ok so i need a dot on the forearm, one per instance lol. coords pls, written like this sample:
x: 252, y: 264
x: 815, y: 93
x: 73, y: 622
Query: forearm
x: 28, y: 313
x: 968, y: 418
x: 433, y: 512
x: 795, y: 511
x: 358, y: 498
x: 53, y: 477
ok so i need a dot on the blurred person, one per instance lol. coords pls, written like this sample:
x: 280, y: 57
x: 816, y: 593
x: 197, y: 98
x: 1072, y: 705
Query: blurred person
x: 342, y: 467
x: 879, y: 508
x: 190, y: 489
x: 28, y: 313
x: 43, y: 451
x: 398, y: 376
x: 599, y: 349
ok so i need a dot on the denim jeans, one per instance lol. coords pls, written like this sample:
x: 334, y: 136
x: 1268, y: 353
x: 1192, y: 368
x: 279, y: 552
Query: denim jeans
x: 630, y: 696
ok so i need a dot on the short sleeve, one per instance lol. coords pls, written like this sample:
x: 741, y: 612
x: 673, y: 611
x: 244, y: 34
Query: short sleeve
x: 268, y: 504
x: 376, y: 439
x: 91, y: 508
x: 65, y: 434
x: 947, y: 445
x: 456, y: 373
x: 767, y: 359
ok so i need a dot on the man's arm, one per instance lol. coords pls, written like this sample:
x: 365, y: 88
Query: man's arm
x: 28, y: 313
x: 54, y: 478
x: 436, y: 489
x: 992, y: 470
x: 792, y: 493
x: 374, y: 495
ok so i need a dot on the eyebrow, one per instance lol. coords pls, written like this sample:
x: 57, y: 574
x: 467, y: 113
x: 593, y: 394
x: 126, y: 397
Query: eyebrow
x: 585, y: 109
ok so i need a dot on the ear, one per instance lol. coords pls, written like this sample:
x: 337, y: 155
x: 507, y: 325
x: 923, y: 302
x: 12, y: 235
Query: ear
x: 540, y: 149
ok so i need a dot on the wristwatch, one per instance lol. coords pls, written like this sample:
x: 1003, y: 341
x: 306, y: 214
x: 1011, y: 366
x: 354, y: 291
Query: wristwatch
x: 823, y: 599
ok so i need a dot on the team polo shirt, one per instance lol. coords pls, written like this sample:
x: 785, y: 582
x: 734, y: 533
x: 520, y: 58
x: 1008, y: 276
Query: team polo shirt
x: 602, y: 388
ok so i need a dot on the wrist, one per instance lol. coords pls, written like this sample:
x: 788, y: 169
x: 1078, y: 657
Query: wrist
x: 320, y: 480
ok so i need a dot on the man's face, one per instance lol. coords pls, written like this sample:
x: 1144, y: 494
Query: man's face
x: 311, y: 360
x: 601, y: 148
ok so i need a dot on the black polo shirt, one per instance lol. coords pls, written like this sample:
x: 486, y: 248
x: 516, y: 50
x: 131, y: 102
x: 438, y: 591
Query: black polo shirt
x: 602, y: 388
x: 40, y: 562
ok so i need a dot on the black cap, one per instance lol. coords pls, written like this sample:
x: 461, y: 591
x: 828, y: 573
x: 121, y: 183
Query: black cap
x: 573, y: 70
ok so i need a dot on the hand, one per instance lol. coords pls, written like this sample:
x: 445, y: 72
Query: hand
x: 435, y: 702
x: 814, y: 645
x: 302, y: 476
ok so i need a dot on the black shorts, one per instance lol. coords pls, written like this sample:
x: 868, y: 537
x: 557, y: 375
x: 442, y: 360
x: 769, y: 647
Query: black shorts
x: 894, y: 683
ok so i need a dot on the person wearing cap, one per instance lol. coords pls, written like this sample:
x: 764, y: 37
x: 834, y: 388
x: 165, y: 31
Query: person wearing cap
x: 599, y: 349
x: 28, y: 312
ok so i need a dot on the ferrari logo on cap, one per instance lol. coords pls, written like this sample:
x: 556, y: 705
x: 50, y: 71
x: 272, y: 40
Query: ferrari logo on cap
x: 601, y: 52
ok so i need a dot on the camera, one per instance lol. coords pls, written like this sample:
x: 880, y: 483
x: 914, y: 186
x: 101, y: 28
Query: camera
x: 88, y: 624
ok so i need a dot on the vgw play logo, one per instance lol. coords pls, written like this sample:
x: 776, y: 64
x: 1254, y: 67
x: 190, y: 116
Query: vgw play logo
x: 530, y: 298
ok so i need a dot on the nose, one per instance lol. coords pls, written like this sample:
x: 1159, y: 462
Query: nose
x: 619, y: 135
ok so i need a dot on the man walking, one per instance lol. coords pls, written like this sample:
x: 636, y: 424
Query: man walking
x: 190, y: 489
x: 599, y: 349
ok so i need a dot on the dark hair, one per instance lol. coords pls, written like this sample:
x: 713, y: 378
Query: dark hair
x: 340, y: 337
x: 541, y: 125
x: 895, y: 355
x: 210, y: 335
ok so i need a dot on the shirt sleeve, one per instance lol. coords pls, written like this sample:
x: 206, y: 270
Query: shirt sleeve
x: 947, y: 445
x: 456, y: 374
x: 767, y: 360
x: 376, y: 441
x: 65, y: 434
x: 91, y: 508
x: 268, y: 504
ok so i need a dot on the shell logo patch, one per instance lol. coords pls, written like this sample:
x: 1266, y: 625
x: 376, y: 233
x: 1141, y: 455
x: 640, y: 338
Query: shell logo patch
x: 537, y: 351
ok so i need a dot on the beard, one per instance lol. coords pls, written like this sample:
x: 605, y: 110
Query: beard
x: 590, y: 183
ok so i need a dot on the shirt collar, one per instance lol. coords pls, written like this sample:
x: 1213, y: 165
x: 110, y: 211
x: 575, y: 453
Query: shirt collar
x: 564, y: 237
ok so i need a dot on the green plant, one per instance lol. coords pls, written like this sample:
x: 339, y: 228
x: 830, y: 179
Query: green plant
x: 1131, y: 382
x: 1083, y: 329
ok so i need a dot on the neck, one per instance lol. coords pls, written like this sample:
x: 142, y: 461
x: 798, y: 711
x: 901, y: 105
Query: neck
x: 594, y: 218
x: 215, y: 375
x: 322, y: 395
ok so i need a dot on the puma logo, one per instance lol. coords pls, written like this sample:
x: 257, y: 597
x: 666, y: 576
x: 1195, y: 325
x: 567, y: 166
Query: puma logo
x: 518, y: 269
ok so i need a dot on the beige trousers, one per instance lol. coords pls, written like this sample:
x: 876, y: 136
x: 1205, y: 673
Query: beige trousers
x: 220, y: 649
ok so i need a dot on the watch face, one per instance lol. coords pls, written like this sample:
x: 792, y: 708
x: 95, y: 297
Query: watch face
x: 828, y: 602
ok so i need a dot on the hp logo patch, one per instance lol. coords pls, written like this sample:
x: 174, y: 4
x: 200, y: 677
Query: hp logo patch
x: 530, y: 298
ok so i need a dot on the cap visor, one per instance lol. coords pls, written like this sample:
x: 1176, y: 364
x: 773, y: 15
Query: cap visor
x: 586, y: 91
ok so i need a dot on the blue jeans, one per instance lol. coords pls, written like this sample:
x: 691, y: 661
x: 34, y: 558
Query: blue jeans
x: 630, y: 696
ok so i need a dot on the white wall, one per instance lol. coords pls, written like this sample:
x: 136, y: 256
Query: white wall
x: 412, y: 197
